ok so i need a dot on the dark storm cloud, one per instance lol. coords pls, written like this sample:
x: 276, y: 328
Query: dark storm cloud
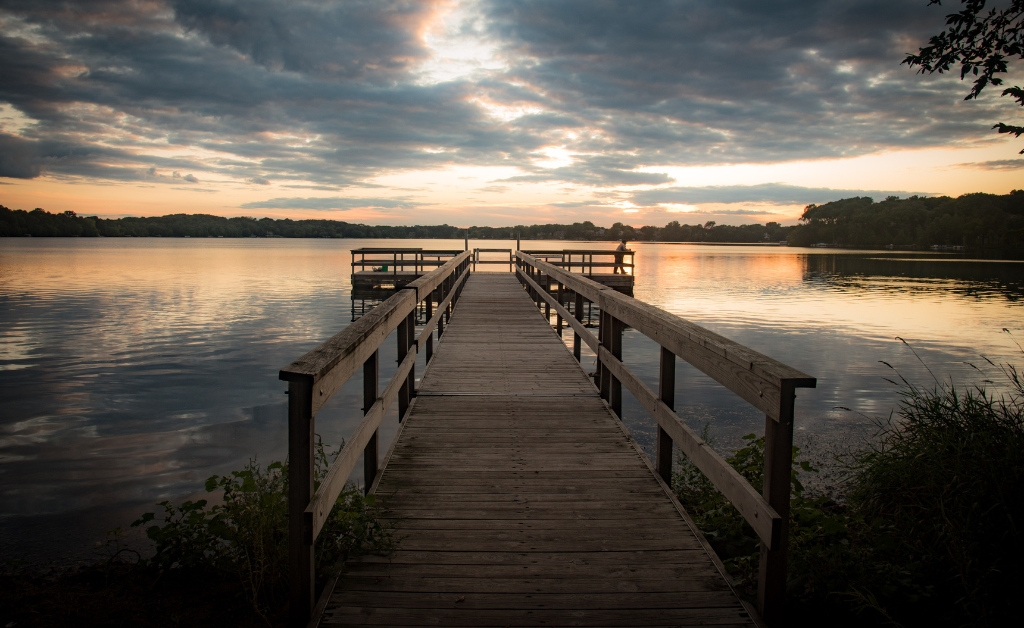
x: 773, y: 193
x: 739, y: 80
x: 352, y: 39
x: 327, y: 93
x: 19, y: 158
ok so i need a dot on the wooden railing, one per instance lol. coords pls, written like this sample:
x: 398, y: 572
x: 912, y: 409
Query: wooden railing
x: 477, y: 259
x: 766, y: 384
x: 398, y: 259
x: 582, y: 260
x: 314, y: 377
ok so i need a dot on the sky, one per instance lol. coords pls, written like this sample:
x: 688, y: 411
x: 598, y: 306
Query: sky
x: 485, y: 112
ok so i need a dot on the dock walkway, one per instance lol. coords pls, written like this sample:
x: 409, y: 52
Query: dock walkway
x: 520, y: 500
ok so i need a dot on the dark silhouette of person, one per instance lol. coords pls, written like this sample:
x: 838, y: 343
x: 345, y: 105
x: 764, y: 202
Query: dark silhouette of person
x: 618, y: 258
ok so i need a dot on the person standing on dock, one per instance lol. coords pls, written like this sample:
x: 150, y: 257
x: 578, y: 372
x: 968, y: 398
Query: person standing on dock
x: 618, y: 258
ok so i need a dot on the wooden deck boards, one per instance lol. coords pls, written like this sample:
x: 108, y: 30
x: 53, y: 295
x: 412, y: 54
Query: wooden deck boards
x: 520, y: 500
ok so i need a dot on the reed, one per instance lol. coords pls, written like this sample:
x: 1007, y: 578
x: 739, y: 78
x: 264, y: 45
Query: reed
x: 926, y: 529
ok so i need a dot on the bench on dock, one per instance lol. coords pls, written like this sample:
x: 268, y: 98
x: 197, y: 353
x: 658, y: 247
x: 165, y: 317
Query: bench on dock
x: 518, y: 496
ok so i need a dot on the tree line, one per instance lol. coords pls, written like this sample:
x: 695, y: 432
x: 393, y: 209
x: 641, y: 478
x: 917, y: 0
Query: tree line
x: 974, y: 221
x: 40, y: 222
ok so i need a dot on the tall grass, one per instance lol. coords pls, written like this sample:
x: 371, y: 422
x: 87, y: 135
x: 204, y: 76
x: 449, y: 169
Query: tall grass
x: 943, y: 487
x: 926, y: 528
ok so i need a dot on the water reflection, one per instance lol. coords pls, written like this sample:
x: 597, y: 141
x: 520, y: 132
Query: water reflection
x: 132, y: 369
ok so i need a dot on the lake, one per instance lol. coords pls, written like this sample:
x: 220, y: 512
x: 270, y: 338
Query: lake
x: 133, y: 369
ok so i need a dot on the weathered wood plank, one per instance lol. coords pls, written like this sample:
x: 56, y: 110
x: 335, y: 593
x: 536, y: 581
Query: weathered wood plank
x: 512, y: 487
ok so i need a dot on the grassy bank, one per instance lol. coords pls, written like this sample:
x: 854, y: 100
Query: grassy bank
x: 221, y: 564
x: 926, y: 529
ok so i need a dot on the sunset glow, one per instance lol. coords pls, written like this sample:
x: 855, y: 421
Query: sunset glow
x: 483, y: 113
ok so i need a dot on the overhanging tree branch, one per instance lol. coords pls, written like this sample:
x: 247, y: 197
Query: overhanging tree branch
x: 981, y: 44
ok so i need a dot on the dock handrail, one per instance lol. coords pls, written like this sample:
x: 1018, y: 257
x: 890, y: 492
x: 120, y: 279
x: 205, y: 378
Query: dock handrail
x: 418, y: 260
x: 316, y: 376
x: 585, y: 263
x: 510, y: 261
x: 765, y: 383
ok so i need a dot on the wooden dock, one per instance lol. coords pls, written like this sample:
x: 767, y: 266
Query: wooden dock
x: 520, y: 499
x: 517, y: 495
x: 377, y: 272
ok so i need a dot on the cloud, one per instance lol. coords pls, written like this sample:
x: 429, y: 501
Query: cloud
x: 190, y: 178
x: 996, y: 164
x: 770, y: 193
x: 19, y: 158
x: 336, y: 203
x: 329, y: 94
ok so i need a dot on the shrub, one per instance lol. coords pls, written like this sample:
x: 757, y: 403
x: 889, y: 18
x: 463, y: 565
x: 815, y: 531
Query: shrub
x: 927, y: 529
x: 818, y: 525
x: 246, y: 535
x: 942, y: 489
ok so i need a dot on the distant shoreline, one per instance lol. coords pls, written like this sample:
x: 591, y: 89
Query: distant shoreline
x: 972, y: 224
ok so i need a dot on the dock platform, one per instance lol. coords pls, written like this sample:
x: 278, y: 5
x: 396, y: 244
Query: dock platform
x: 519, y: 498
x: 517, y: 495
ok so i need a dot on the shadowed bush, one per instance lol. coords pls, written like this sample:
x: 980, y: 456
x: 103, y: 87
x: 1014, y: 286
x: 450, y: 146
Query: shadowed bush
x: 926, y: 529
x: 246, y: 536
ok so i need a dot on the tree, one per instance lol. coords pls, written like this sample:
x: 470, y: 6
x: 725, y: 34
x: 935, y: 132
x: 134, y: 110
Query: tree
x: 981, y: 44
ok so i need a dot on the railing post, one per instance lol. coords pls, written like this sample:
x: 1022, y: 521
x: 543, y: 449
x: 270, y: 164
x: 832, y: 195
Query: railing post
x: 430, y: 336
x: 403, y: 350
x: 411, y: 342
x: 778, y: 472
x: 577, y: 340
x: 602, y: 340
x: 558, y: 317
x: 667, y: 393
x: 440, y: 319
x: 448, y: 308
x: 615, y: 347
x: 300, y: 491
x: 547, y: 304
x: 371, y: 374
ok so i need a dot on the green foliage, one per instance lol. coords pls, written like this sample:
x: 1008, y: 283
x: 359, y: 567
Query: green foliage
x: 39, y: 222
x: 977, y: 221
x: 981, y: 44
x: 817, y: 524
x: 246, y: 535
x: 928, y: 528
x: 944, y: 484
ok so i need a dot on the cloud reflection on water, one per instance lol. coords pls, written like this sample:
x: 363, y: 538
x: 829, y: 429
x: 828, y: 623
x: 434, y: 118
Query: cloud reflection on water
x: 131, y: 370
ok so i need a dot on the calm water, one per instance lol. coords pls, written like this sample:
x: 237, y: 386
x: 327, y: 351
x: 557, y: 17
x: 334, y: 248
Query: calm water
x: 133, y: 369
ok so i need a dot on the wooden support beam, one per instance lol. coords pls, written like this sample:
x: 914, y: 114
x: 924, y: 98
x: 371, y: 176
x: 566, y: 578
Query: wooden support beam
x: 559, y: 316
x: 371, y: 376
x: 615, y: 348
x: 576, y: 338
x: 429, y: 328
x: 404, y: 393
x: 778, y: 464
x: 667, y: 394
x: 300, y: 489
x: 547, y: 304
x: 604, y: 332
